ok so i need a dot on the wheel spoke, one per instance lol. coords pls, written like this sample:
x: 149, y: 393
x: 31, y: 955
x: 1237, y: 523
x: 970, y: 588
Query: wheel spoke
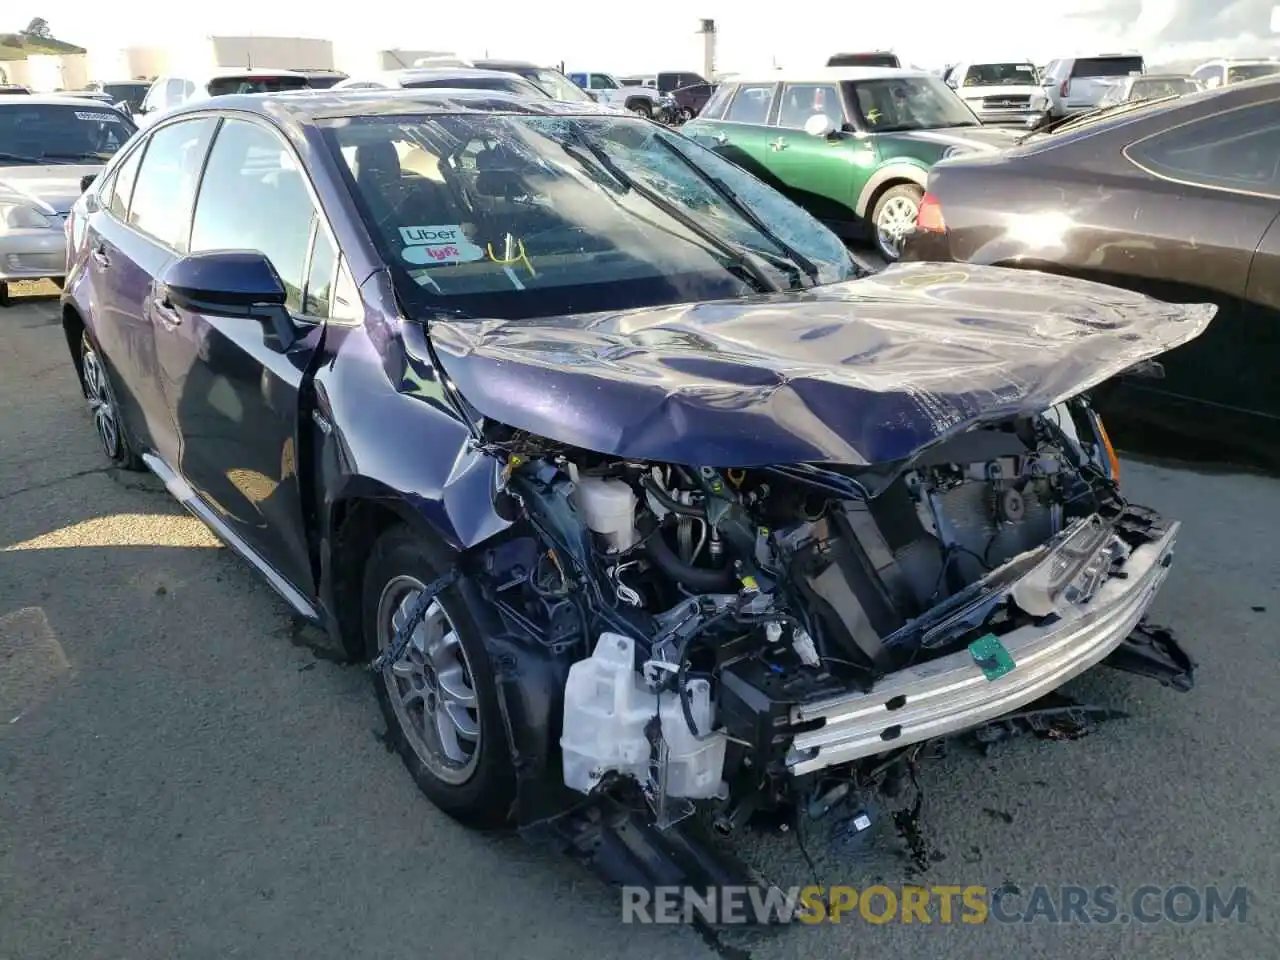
x: 454, y: 687
x: 411, y: 696
x: 447, y: 734
x: 405, y: 668
x: 463, y: 722
x: 443, y: 652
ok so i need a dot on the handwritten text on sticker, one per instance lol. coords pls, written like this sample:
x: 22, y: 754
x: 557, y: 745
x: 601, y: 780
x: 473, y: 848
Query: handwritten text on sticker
x: 428, y: 254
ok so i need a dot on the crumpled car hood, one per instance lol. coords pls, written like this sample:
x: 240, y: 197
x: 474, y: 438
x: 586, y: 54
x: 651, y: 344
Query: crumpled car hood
x: 863, y: 372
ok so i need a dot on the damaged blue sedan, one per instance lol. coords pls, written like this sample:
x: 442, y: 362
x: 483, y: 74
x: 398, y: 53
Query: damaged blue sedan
x: 647, y: 506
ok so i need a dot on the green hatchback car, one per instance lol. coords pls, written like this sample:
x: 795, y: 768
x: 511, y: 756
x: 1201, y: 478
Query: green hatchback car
x: 851, y: 145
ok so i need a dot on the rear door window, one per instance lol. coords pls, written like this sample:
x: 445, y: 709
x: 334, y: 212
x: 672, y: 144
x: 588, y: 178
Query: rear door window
x: 800, y: 101
x: 1106, y: 66
x: 1236, y: 150
x: 751, y: 104
x: 166, y: 185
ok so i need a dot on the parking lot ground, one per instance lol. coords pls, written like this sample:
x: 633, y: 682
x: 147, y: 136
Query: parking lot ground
x: 185, y: 773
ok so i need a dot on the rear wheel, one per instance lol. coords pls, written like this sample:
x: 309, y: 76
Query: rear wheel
x: 104, y: 407
x: 894, y: 217
x: 641, y: 108
x: 440, y: 700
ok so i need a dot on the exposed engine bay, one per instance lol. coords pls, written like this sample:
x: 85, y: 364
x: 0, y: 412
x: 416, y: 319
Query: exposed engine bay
x: 714, y: 618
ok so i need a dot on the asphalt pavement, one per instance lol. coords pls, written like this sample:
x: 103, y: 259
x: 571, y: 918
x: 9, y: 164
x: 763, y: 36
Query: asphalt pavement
x: 186, y: 773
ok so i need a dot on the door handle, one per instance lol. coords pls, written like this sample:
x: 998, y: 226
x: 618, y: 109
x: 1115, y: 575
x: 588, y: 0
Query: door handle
x: 778, y: 144
x: 100, y: 257
x: 165, y: 311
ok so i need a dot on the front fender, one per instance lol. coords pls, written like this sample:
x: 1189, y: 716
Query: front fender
x: 393, y: 438
x: 898, y: 170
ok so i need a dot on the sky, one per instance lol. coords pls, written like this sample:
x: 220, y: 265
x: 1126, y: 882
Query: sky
x: 611, y: 37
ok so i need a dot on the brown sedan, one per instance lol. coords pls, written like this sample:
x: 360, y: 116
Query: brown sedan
x: 1177, y: 198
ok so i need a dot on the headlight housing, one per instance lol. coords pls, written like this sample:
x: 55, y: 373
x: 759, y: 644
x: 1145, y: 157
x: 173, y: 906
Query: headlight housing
x: 1039, y: 101
x: 667, y: 100
x: 22, y: 215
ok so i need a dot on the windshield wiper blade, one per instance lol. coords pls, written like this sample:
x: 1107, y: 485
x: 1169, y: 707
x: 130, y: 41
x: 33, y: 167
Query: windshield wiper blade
x: 743, y: 259
x: 33, y: 161
x: 99, y: 157
x: 797, y: 258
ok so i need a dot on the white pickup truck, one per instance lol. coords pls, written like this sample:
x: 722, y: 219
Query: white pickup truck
x: 645, y: 101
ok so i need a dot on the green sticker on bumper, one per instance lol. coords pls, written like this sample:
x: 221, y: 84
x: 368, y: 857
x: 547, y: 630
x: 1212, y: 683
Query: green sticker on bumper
x: 989, y: 654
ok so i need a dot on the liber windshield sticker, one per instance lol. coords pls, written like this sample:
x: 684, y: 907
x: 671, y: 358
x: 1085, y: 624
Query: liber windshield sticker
x: 99, y: 117
x: 442, y: 243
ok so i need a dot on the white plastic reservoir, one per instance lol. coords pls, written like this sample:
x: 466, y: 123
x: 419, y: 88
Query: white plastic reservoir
x: 609, y: 508
x: 606, y: 709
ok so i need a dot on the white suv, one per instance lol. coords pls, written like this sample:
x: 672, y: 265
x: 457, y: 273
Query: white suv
x: 1076, y: 84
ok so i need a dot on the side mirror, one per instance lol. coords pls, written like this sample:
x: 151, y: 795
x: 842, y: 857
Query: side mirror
x: 820, y: 125
x: 230, y: 283
x: 87, y: 181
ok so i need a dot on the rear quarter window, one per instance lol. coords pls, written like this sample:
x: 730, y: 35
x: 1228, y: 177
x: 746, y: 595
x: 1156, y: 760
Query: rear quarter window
x: 1236, y: 150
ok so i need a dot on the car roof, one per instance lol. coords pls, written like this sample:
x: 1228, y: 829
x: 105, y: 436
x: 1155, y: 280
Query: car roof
x: 491, y: 65
x: 221, y: 73
x: 1161, y: 76
x: 306, y: 107
x: 829, y: 75
x: 1239, y: 61
x: 431, y: 73
x: 988, y: 61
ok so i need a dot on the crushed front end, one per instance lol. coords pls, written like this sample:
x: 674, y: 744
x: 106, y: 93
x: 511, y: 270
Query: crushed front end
x: 728, y: 639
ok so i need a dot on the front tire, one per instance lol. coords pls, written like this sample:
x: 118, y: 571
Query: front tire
x: 894, y: 217
x: 440, y: 700
x: 107, y: 421
x: 641, y: 108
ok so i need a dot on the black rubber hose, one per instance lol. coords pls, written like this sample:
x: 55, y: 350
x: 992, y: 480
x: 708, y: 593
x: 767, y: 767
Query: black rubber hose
x: 697, y: 579
x: 675, y: 506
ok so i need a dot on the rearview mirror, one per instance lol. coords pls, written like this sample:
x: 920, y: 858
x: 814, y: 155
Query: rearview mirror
x: 820, y: 125
x: 230, y: 283
x: 87, y: 181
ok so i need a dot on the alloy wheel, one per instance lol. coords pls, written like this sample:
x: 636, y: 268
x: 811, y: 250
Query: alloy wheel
x: 897, y: 219
x: 431, y: 688
x: 105, y: 417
